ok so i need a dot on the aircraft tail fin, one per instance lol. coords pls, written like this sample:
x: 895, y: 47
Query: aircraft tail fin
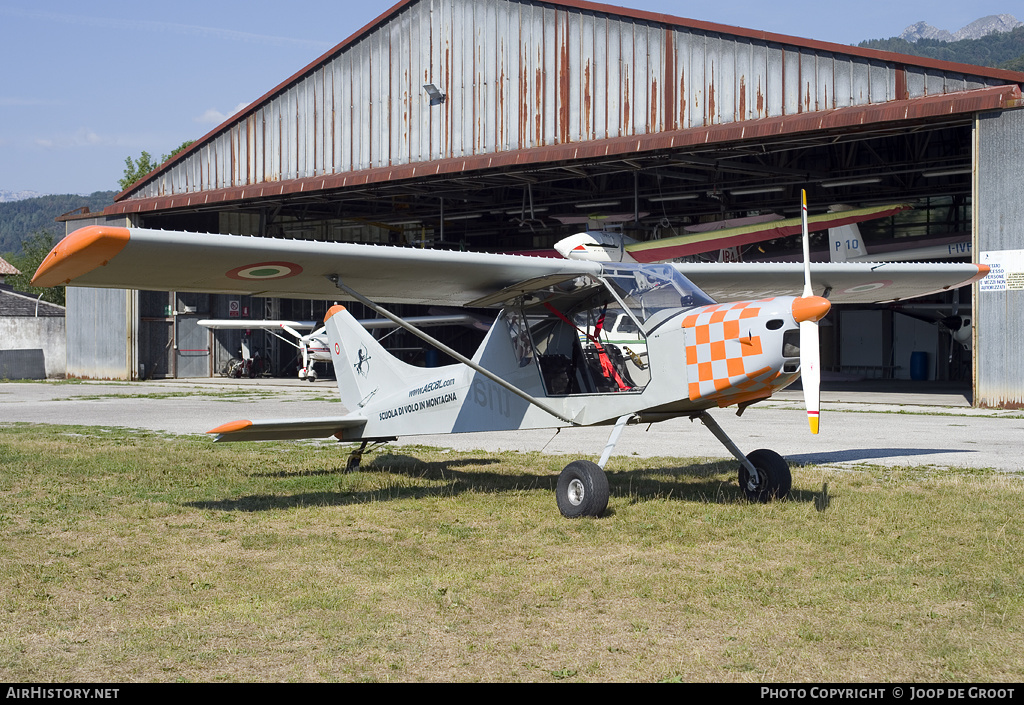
x: 845, y: 242
x: 361, y: 364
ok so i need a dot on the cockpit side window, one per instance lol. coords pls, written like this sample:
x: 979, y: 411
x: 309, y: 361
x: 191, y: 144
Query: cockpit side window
x: 585, y: 343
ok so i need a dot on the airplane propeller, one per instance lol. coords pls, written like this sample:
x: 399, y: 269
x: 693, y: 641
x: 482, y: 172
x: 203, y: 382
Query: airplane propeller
x: 808, y: 310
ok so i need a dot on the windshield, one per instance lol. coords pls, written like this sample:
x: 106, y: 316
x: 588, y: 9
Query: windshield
x: 649, y: 288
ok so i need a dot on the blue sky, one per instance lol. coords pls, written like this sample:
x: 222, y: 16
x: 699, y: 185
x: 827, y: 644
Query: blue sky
x: 83, y: 85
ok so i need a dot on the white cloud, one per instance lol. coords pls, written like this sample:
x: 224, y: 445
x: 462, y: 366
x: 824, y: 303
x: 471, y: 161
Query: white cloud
x: 83, y: 137
x: 214, y: 117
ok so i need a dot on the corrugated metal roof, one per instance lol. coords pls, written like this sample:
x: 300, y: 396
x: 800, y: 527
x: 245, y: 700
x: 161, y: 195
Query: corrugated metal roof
x: 528, y: 82
x: 14, y: 304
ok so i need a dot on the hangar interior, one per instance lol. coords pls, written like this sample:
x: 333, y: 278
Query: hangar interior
x: 505, y: 126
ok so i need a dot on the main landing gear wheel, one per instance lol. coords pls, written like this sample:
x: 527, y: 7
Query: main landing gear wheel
x: 773, y: 479
x: 582, y: 490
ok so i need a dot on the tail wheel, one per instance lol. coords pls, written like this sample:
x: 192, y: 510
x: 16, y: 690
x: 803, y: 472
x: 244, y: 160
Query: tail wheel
x: 582, y: 490
x: 773, y: 479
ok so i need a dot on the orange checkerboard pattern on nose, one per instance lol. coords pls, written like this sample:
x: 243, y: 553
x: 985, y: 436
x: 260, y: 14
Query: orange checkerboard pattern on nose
x: 723, y: 360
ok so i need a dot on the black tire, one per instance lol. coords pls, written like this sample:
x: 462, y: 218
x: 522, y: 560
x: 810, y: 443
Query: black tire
x: 582, y: 490
x: 773, y: 479
x: 352, y: 464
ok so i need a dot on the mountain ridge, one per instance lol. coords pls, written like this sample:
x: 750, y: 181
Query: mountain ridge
x: 981, y: 27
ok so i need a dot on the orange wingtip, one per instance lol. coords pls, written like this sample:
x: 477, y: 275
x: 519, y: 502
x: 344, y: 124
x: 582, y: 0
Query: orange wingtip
x: 231, y: 427
x: 79, y: 253
x: 336, y: 308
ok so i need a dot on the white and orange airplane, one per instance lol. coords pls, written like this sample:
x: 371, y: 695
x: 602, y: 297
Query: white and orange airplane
x: 545, y: 362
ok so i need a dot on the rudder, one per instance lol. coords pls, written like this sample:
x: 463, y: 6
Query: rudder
x: 362, y: 366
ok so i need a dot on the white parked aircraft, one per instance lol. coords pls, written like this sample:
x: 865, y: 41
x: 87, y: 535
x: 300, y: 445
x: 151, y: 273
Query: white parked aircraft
x: 611, y: 246
x: 847, y: 245
x: 313, y: 347
x: 533, y: 369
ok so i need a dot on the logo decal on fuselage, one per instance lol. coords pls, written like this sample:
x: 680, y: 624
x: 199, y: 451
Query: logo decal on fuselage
x: 363, y: 366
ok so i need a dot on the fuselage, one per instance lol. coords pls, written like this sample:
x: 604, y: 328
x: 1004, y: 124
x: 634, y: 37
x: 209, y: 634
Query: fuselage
x: 697, y: 358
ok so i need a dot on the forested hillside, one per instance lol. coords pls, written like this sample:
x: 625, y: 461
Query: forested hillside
x: 1003, y: 50
x: 21, y: 219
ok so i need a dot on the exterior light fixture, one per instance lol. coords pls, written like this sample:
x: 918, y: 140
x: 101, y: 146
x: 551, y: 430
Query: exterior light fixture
x: 436, y: 96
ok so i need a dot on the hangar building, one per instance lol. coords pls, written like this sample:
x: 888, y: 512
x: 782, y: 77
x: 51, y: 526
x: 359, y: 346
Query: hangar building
x: 505, y: 125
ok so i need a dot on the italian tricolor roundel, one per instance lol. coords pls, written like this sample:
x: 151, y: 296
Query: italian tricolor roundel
x: 266, y: 270
x: 881, y: 284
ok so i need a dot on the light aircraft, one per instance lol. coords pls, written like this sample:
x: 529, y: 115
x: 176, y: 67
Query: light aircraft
x: 847, y: 245
x: 726, y: 235
x: 313, y: 347
x: 533, y: 369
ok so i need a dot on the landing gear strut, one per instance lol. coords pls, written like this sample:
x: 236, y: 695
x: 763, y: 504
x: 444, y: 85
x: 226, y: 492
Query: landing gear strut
x: 367, y: 446
x: 764, y: 474
x: 582, y: 489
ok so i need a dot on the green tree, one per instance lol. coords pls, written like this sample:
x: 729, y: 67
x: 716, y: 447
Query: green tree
x: 180, y: 148
x: 135, y: 169
x: 33, y: 252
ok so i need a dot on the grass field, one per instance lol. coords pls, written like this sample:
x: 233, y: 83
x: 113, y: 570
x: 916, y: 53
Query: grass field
x: 131, y: 556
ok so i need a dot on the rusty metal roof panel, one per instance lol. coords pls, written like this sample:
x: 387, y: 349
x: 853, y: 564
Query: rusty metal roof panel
x: 941, y: 106
x: 520, y: 75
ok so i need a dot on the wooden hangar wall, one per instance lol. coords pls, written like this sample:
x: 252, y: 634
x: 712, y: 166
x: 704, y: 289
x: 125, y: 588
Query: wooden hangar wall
x: 568, y: 96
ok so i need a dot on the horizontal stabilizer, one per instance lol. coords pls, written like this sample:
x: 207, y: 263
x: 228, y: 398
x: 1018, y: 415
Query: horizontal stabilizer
x: 288, y: 429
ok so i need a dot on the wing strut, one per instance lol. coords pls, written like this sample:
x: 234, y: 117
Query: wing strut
x: 448, y: 351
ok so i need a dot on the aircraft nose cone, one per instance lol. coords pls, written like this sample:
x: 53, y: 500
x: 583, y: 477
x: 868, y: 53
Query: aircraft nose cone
x: 810, y: 308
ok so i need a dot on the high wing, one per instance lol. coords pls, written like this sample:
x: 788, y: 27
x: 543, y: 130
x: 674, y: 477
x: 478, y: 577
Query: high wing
x: 839, y: 282
x: 163, y: 260
x: 749, y: 233
x: 136, y: 258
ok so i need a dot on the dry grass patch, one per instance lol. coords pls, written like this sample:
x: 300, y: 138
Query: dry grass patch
x: 131, y: 556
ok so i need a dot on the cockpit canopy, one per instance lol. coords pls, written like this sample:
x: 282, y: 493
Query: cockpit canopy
x: 589, y: 333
